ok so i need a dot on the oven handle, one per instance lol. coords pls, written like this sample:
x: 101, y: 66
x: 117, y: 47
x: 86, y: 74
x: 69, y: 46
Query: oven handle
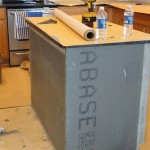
x: 13, y: 12
x: 25, y: 53
x: 44, y: 12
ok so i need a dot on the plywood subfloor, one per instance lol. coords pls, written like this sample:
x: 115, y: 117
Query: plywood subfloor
x: 23, y: 130
x: 146, y: 145
x: 15, y: 87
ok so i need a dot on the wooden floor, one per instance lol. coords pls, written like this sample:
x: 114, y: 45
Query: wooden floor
x: 15, y: 87
x: 23, y: 130
x: 146, y: 145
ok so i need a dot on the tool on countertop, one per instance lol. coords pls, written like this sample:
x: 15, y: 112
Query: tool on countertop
x: 138, y: 3
x: 50, y: 21
x: 89, y: 17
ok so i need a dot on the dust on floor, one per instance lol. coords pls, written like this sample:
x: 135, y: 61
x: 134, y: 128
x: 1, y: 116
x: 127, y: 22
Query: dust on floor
x: 23, y: 130
x: 20, y: 129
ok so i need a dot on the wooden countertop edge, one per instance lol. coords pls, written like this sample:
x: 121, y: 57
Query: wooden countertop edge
x: 145, y: 38
x: 43, y: 33
x: 123, y: 5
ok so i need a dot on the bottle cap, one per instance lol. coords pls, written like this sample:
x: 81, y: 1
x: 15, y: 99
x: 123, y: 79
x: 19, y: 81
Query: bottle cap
x: 94, y: 5
x: 101, y: 8
x: 129, y: 6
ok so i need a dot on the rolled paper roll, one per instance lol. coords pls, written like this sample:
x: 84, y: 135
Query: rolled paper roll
x: 84, y: 31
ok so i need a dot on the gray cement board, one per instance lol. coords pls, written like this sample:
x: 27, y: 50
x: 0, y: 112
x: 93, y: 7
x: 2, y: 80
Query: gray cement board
x: 48, y: 88
x: 88, y: 98
x: 103, y: 97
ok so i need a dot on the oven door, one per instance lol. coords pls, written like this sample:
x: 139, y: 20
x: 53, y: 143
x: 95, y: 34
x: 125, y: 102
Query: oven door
x: 17, y: 57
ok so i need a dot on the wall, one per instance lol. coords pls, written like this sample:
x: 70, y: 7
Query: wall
x: 79, y: 0
x: 146, y: 1
x: 143, y: 1
x: 0, y: 1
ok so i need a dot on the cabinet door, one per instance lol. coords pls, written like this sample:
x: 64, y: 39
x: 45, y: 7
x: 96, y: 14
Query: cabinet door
x: 109, y: 13
x: 148, y: 30
x: 117, y: 16
x: 143, y: 19
x: 3, y: 34
x: 3, y: 13
x: 139, y: 27
x: 3, y: 39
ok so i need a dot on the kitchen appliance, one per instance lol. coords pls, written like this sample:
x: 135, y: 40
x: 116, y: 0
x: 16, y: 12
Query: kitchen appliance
x: 19, y: 50
x: 22, y: 1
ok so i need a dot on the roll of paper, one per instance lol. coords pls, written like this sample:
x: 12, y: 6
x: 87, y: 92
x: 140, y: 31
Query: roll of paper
x: 84, y: 31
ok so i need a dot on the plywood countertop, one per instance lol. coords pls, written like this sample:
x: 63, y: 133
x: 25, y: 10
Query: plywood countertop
x: 144, y: 8
x: 66, y: 37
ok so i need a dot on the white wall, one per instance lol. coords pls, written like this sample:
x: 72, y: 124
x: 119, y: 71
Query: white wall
x: 80, y: 0
x: 146, y: 1
x: 0, y: 1
x: 143, y: 1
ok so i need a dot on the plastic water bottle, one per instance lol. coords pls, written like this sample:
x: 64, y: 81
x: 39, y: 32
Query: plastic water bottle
x: 128, y: 21
x: 101, y: 20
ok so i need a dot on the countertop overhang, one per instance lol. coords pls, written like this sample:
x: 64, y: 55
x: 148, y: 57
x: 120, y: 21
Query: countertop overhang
x: 66, y: 37
x: 144, y: 8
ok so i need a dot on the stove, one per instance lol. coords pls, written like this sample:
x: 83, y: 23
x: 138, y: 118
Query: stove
x: 21, y: 1
x: 19, y: 50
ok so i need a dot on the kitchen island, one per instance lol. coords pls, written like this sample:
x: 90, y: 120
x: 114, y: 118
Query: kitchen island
x: 89, y: 94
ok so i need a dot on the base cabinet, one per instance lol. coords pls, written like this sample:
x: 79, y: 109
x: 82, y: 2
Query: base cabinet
x: 3, y: 34
x: 148, y: 30
x: 141, y: 21
x: 79, y: 113
x: 140, y: 27
x: 117, y: 16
